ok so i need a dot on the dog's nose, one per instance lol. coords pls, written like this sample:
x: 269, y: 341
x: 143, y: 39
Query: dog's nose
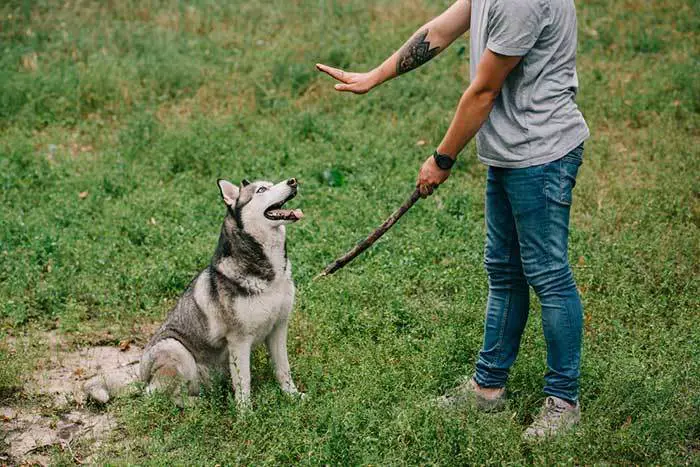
x: 292, y: 182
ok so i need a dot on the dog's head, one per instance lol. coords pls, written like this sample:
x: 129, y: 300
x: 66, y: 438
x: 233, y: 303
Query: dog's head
x: 260, y: 203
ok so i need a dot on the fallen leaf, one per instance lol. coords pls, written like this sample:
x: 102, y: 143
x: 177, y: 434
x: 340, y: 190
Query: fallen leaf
x: 153, y: 221
x: 628, y: 422
x: 30, y: 61
x: 83, y: 194
x: 124, y: 345
x: 591, y: 32
x: 79, y: 372
x: 581, y: 260
x: 420, y: 142
x: 7, y: 414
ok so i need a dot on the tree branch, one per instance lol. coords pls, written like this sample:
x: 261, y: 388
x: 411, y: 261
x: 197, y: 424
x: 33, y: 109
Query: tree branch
x: 371, y: 238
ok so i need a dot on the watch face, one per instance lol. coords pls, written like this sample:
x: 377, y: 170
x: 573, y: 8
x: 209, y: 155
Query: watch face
x: 444, y: 162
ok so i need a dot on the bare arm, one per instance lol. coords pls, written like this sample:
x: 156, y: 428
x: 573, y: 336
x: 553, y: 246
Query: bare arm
x: 472, y: 111
x: 430, y: 39
x: 477, y: 101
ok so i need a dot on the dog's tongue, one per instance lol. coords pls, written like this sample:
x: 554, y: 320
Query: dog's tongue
x: 288, y: 214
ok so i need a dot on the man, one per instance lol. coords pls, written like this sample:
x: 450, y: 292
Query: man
x: 529, y: 132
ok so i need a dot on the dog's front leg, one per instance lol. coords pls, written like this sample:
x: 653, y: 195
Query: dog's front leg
x: 276, y: 343
x: 239, y: 363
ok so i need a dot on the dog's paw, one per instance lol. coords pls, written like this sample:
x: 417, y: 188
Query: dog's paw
x: 96, y: 389
x: 244, y: 406
x: 183, y: 401
x: 297, y: 395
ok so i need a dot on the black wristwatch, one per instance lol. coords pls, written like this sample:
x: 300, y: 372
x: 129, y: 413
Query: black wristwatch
x: 443, y: 161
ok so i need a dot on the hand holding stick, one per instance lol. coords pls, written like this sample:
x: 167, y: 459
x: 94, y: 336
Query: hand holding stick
x: 373, y: 237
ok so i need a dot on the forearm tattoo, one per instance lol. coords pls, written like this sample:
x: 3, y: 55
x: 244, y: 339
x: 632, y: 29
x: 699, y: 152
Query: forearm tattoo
x: 414, y: 53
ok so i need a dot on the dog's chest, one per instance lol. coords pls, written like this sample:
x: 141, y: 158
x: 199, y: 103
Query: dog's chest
x: 256, y: 315
x: 244, y: 316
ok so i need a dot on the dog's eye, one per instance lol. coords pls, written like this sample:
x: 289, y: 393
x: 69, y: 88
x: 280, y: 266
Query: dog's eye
x: 262, y: 189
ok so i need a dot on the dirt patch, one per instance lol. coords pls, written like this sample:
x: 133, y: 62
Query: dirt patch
x: 27, y: 431
x: 65, y: 373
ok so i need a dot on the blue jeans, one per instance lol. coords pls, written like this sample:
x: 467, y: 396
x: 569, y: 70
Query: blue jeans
x: 527, y: 230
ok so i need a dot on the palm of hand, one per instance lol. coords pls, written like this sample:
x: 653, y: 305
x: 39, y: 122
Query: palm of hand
x: 358, y: 83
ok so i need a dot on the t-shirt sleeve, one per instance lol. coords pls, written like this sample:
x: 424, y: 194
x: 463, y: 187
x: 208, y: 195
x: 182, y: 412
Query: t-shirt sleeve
x: 515, y: 25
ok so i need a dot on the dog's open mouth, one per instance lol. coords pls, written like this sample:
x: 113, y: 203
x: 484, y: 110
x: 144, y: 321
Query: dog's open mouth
x: 276, y: 213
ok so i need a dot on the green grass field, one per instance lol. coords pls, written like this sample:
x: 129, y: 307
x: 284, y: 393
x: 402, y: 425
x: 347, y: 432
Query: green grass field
x: 117, y: 117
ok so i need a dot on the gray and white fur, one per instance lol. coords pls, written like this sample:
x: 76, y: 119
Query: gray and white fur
x: 244, y: 297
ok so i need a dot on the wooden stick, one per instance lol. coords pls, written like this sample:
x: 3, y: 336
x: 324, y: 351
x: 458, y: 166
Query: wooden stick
x: 371, y: 238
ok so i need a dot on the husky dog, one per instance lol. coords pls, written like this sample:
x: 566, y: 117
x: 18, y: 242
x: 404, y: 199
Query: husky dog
x: 244, y: 297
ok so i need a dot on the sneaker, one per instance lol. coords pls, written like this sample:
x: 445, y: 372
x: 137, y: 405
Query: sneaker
x: 469, y: 394
x: 556, y: 416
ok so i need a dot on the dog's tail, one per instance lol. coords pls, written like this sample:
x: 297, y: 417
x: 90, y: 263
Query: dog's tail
x: 106, y: 385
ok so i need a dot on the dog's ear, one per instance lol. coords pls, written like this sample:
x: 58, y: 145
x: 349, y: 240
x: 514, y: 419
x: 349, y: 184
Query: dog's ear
x: 229, y: 192
x: 245, y: 182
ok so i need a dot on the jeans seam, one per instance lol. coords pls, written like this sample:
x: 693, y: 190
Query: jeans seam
x: 561, y: 181
x: 548, y: 258
x: 504, y: 320
x: 569, y: 329
x: 502, y: 328
x: 571, y: 340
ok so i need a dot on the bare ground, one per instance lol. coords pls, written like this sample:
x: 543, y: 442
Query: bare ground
x: 52, y: 409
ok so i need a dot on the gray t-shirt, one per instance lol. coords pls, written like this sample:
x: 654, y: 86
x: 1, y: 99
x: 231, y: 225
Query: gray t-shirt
x: 535, y: 119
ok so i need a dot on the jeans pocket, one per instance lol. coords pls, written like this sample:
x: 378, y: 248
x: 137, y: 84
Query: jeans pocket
x: 568, y: 172
x: 575, y: 156
x: 560, y: 176
x: 567, y: 182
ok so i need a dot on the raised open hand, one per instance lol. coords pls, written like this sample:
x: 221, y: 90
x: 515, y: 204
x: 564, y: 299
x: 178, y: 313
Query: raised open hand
x: 358, y: 83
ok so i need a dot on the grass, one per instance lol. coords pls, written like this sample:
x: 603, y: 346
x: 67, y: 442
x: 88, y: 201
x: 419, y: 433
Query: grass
x: 116, y: 119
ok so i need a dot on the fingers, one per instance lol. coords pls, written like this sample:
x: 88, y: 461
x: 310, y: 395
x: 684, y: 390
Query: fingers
x: 349, y: 82
x: 336, y: 73
x: 353, y: 87
x: 426, y: 189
